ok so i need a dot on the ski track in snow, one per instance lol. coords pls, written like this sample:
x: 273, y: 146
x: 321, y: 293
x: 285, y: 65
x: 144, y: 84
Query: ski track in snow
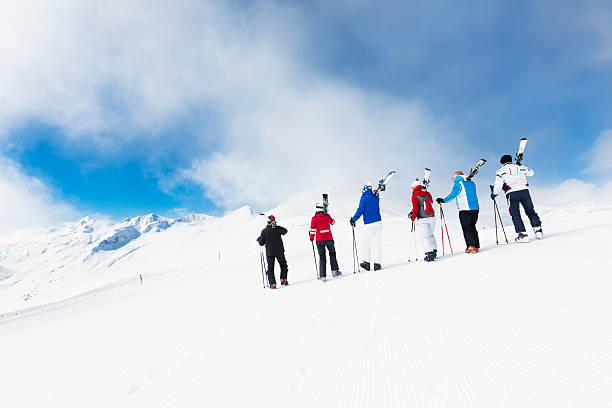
x: 515, y: 326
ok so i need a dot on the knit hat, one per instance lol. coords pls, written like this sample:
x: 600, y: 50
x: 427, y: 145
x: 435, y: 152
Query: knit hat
x: 506, y: 158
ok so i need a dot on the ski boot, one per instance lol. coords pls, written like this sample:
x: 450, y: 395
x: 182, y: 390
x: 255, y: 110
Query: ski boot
x: 336, y: 274
x: 429, y: 256
x: 273, y: 286
x: 522, y: 237
x: 472, y: 250
x: 538, y: 232
x: 365, y: 265
x: 323, y: 279
x: 435, y: 252
x: 284, y: 282
x: 377, y: 267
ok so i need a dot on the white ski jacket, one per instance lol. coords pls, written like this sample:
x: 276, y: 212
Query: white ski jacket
x: 511, y: 177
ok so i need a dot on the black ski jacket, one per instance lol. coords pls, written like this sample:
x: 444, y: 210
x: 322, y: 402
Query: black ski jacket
x: 271, y: 237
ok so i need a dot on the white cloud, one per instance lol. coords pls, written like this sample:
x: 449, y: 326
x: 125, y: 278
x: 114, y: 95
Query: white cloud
x: 27, y: 202
x: 106, y: 71
x: 574, y: 192
x: 600, y: 155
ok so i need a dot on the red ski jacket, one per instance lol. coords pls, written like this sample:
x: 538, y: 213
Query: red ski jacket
x: 422, y: 204
x: 320, y: 226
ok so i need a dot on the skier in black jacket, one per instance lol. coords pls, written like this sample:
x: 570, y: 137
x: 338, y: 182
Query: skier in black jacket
x: 271, y: 237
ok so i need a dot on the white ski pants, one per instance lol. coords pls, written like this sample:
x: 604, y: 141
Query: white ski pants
x: 372, y: 237
x: 425, y: 228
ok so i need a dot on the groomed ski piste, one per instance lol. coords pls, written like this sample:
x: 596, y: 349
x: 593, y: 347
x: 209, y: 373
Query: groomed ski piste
x: 517, y: 325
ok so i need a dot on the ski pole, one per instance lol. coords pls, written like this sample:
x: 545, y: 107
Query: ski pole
x: 495, y: 216
x: 442, y: 229
x: 500, y: 221
x: 263, y: 274
x: 412, y: 249
x: 410, y: 243
x: 355, y: 269
x: 446, y: 227
x: 315, y: 260
x: 414, y: 239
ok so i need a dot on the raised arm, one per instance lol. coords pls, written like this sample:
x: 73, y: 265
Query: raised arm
x: 454, y: 192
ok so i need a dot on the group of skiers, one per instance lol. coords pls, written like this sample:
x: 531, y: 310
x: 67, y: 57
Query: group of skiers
x: 511, y: 178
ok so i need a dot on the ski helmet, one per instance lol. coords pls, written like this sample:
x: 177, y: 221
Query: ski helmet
x: 416, y: 183
x: 320, y: 207
x: 367, y: 186
x: 506, y: 158
x: 271, y: 218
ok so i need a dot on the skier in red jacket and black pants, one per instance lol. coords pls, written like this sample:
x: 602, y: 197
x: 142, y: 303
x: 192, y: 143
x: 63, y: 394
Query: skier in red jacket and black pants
x: 320, y: 227
x: 423, y: 213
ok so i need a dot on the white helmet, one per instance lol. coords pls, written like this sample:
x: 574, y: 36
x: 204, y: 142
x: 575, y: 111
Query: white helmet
x: 320, y: 207
x: 416, y: 183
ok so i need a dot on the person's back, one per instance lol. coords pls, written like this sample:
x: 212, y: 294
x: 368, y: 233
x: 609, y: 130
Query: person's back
x: 464, y: 191
x: 273, y: 240
x: 422, y: 203
x: 320, y: 226
x: 369, y: 207
x: 512, y: 177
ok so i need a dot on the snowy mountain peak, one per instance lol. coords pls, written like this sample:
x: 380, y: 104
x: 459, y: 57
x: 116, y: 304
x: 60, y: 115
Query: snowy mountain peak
x: 84, y: 225
x: 196, y: 218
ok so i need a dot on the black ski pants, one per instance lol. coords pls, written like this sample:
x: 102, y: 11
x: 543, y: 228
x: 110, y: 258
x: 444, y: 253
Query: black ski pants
x: 321, y: 245
x: 468, y: 220
x: 283, y: 265
x: 524, y: 198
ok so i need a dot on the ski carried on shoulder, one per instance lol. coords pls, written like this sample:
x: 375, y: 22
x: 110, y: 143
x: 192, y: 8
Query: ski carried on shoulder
x: 325, y: 202
x: 476, y: 169
x: 520, y: 151
x: 382, y: 184
x: 426, y: 177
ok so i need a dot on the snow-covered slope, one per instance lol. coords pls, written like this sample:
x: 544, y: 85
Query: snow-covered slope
x: 61, y: 262
x: 514, y: 326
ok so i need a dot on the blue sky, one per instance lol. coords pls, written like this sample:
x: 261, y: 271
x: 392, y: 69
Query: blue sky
x: 232, y: 103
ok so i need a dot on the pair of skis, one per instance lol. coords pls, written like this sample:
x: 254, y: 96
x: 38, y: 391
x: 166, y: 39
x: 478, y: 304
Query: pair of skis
x: 518, y: 159
x: 382, y: 184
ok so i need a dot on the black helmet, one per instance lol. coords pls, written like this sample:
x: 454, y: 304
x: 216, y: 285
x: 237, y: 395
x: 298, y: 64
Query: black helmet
x: 506, y: 158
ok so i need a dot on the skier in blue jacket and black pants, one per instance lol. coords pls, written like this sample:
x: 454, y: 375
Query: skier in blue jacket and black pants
x: 369, y: 207
x: 464, y: 191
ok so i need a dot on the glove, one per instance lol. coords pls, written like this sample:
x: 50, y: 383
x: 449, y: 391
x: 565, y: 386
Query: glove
x: 410, y: 215
x: 352, y: 222
x: 493, y: 196
x: 440, y: 200
x: 311, y: 238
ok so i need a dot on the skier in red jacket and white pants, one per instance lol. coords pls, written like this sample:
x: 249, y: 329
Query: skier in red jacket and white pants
x: 320, y: 227
x: 425, y: 216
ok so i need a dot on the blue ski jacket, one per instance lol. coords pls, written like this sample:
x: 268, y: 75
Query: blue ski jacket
x: 465, y: 193
x: 368, y: 207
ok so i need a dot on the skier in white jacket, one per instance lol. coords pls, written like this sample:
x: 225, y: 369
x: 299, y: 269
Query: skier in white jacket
x: 512, y: 179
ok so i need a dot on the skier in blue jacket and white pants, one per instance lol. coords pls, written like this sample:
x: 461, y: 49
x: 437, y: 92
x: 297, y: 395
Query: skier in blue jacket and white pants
x: 464, y: 192
x: 369, y: 207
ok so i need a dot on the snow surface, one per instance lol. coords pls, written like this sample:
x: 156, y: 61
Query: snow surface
x: 518, y: 325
